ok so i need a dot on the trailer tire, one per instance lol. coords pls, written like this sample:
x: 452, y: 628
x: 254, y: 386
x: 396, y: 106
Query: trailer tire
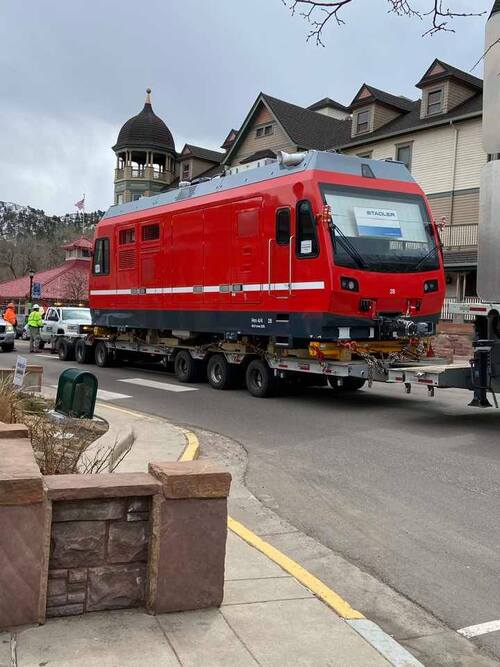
x: 347, y: 384
x: 103, y: 357
x: 66, y: 351
x: 259, y: 378
x: 186, y: 368
x: 220, y: 373
x: 82, y: 352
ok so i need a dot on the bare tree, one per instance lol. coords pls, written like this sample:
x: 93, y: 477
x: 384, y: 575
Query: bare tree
x: 77, y: 288
x: 433, y: 14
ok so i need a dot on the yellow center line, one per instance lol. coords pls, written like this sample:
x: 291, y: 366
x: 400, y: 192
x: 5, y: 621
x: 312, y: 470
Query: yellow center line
x: 303, y: 576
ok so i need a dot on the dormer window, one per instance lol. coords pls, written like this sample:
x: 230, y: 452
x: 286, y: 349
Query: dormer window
x: 186, y: 171
x: 363, y: 121
x: 434, y: 102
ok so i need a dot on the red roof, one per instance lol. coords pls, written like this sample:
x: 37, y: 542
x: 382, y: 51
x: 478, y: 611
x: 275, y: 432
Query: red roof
x: 54, y: 282
x: 82, y: 242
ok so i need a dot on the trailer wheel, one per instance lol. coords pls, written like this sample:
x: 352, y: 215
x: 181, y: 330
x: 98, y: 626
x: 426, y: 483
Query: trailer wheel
x: 66, y: 351
x: 186, y: 368
x: 345, y: 384
x: 221, y: 374
x: 259, y: 378
x: 82, y: 352
x: 102, y: 355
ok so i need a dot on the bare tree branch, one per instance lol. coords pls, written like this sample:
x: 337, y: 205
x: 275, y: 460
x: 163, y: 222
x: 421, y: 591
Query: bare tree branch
x: 319, y: 13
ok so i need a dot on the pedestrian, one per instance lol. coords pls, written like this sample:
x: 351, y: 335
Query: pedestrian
x: 35, y: 324
x: 10, y: 314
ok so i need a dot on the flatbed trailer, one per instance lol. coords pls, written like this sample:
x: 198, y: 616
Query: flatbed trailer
x: 230, y: 365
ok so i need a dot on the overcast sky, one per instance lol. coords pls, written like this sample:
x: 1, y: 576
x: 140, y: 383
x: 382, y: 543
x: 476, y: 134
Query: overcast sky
x: 73, y: 71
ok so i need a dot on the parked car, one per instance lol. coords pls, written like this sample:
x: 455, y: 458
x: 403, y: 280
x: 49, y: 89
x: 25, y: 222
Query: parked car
x: 64, y: 321
x: 7, y: 336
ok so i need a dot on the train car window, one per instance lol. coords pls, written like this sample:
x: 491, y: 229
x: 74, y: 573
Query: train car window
x: 150, y: 233
x: 126, y: 236
x: 283, y: 225
x: 307, y: 239
x: 248, y: 222
x: 100, y: 266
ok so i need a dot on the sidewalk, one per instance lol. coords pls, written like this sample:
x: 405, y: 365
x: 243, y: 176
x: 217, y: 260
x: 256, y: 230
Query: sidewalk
x: 267, y: 617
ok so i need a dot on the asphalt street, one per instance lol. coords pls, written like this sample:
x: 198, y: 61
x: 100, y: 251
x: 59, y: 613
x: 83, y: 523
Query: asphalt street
x: 405, y: 487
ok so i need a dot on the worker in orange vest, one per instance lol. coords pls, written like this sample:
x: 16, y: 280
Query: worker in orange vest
x: 10, y: 314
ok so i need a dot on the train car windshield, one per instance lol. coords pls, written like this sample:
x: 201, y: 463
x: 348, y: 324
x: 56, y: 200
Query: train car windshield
x: 380, y: 231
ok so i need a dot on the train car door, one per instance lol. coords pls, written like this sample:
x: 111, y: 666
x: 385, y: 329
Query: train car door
x: 280, y: 254
x: 187, y: 258
x: 127, y: 274
x: 217, y: 241
x: 247, y: 256
x: 152, y: 265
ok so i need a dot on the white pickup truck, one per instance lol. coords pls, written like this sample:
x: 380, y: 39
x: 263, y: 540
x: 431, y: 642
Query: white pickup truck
x: 64, y: 321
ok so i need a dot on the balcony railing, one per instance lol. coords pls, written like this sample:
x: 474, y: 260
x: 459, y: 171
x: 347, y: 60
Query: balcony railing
x: 456, y: 236
x: 447, y: 315
x: 141, y: 172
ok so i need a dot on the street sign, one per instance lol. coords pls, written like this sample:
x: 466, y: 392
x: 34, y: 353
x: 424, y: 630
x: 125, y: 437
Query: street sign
x: 36, y: 291
x: 20, y: 372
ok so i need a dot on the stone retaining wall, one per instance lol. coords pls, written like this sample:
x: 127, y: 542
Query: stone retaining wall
x: 71, y: 544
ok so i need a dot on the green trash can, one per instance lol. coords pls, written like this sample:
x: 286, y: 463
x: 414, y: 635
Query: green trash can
x: 76, y: 393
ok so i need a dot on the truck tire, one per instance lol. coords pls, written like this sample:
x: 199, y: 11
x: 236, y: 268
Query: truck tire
x: 66, y: 350
x: 8, y: 347
x: 347, y: 384
x: 186, y: 368
x: 82, y: 352
x: 221, y: 374
x: 103, y: 356
x: 260, y: 380
x: 41, y: 345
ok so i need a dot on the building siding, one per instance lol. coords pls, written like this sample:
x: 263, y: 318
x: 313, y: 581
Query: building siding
x: 279, y: 140
x: 382, y: 115
x: 456, y: 94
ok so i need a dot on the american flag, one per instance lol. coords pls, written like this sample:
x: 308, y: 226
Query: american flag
x: 80, y: 204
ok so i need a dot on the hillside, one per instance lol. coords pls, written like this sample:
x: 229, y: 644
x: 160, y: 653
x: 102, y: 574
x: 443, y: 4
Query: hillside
x: 31, y: 239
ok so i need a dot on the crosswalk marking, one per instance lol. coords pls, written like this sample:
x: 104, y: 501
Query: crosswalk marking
x: 153, y: 384
x: 104, y: 395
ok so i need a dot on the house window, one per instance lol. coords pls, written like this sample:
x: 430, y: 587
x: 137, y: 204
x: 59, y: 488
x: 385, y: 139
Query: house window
x: 365, y: 156
x: 100, y: 264
x: 127, y: 236
x: 264, y: 131
x: 119, y: 198
x: 136, y: 197
x: 307, y: 240
x: 283, y: 226
x: 363, y: 121
x: 186, y: 170
x: 403, y: 154
x: 434, y: 102
x: 150, y: 232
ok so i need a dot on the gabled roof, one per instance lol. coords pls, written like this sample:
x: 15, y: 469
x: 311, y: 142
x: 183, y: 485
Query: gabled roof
x: 229, y: 140
x: 328, y: 102
x: 54, y: 281
x: 496, y: 8
x: 305, y: 128
x: 368, y: 94
x: 440, y: 71
x: 201, y: 153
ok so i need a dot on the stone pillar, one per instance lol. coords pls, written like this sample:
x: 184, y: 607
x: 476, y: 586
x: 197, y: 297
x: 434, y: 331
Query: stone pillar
x: 188, y: 541
x: 24, y: 532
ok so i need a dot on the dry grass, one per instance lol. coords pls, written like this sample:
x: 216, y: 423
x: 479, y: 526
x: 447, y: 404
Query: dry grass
x: 60, y: 446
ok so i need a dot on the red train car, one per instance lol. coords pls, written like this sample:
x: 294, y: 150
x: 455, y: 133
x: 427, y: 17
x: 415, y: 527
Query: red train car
x: 257, y: 254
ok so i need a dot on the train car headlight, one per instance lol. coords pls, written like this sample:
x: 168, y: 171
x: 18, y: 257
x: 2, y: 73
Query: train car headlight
x: 349, y: 284
x: 431, y: 286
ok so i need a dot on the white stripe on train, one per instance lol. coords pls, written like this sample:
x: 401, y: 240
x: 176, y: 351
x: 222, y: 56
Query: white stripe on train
x: 199, y: 289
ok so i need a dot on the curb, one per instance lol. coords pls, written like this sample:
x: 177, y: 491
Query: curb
x: 372, y: 633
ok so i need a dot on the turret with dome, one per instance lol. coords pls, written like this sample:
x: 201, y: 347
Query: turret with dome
x: 145, y: 154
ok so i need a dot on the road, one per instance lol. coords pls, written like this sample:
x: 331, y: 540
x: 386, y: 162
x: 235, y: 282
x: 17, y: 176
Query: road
x: 406, y: 487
